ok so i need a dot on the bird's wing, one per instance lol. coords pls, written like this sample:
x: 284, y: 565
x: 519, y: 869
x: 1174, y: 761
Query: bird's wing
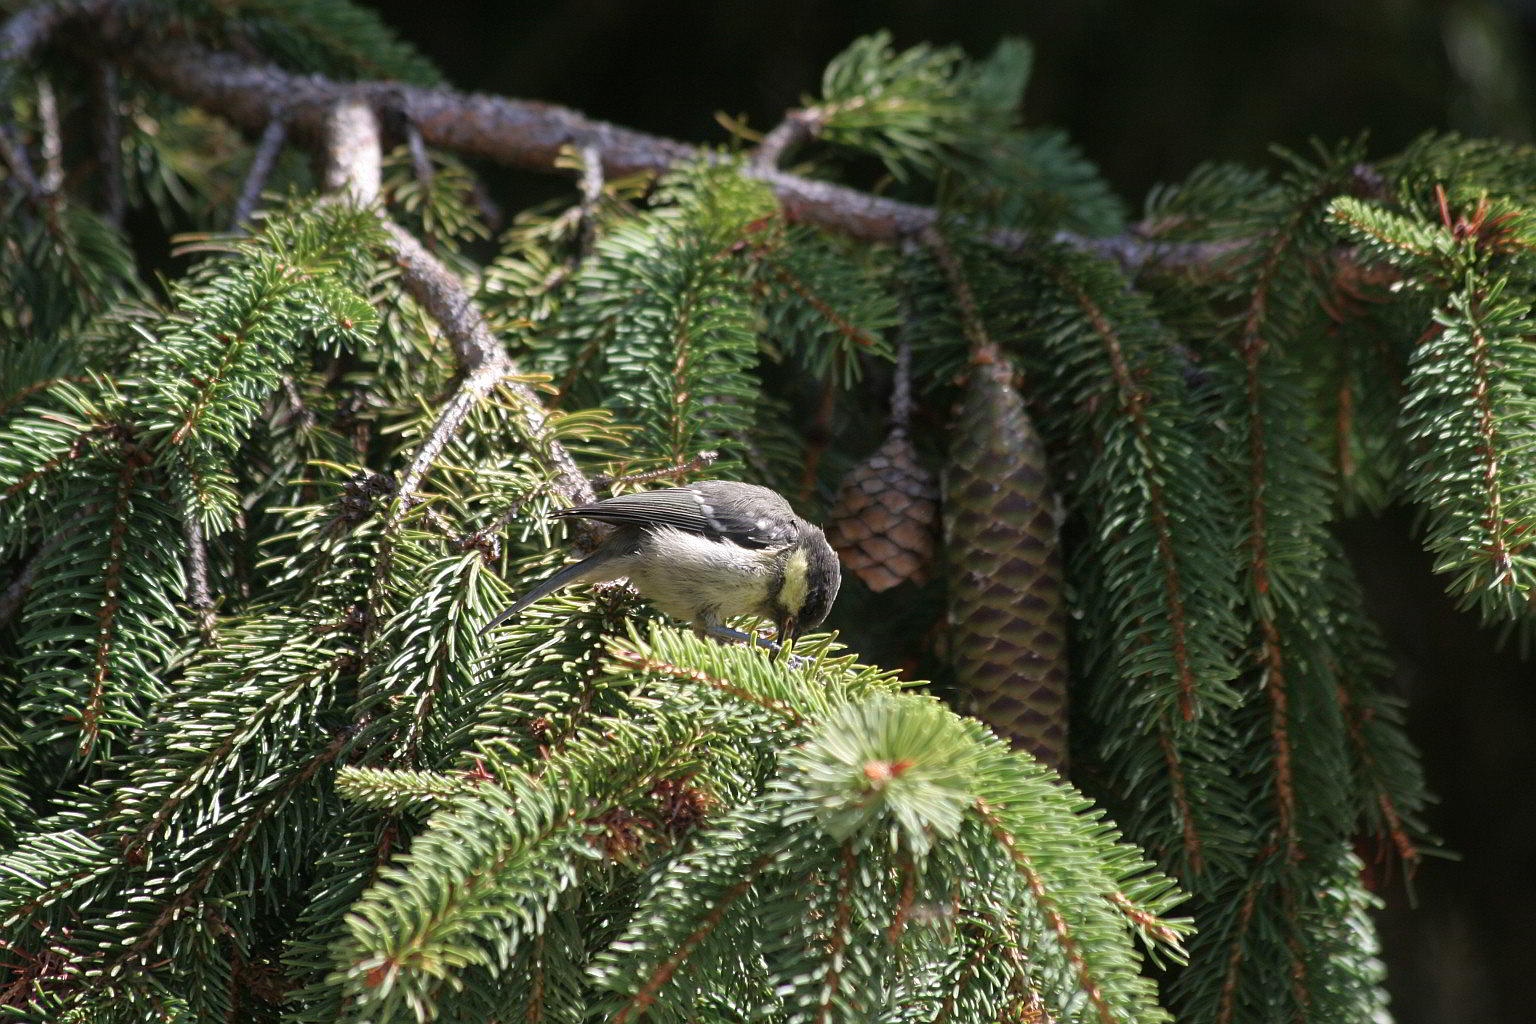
x: 703, y: 508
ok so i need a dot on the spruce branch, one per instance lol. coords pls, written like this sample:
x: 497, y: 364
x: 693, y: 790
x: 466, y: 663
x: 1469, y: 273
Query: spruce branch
x: 982, y: 347
x: 647, y: 663
x: 1134, y: 398
x: 1151, y: 503
x: 1357, y: 719
x: 258, y: 810
x: 1235, y: 955
x: 106, y: 614
x: 1086, y: 982
x: 1253, y: 344
x: 658, y: 978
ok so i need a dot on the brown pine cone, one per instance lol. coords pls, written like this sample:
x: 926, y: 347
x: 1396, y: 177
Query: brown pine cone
x: 882, y: 523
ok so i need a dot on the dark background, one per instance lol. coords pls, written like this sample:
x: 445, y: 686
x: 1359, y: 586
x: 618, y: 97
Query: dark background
x: 1149, y: 90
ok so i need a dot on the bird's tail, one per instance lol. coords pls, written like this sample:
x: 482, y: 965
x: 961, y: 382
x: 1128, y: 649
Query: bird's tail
x: 573, y: 573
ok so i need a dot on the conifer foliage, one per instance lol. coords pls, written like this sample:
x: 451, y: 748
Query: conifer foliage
x: 258, y: 496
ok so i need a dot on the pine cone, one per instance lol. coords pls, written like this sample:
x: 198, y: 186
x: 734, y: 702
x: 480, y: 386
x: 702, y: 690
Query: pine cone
x: 882, y: 524
x: 1006, y: 609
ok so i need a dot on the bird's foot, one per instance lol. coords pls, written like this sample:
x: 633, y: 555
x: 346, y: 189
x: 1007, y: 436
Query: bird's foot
x: 725, y: 634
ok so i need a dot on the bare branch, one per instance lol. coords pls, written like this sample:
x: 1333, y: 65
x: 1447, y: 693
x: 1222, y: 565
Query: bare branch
x: 797, y: 128
x: 15, y: 156
x: 699, y: 462
x: 353, y: 162
x: 484, y: 360
x: 199, y: 593
x: 591, y: 196
x: 109, y: 140
x: 51, y: 146
x: 353, y: 155
x: 272, y: 138
x: 12, y: 596
x: 527, y: 134
x: 421, y: 163
x: 354, y: 169
x: 901, y: 385
x: 530, y: 135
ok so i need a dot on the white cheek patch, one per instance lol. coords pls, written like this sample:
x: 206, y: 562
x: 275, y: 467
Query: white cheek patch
x: 797, y: 581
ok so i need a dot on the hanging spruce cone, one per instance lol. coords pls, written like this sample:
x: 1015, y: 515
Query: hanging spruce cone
x: 882, y: 524
x: 1006, y: 610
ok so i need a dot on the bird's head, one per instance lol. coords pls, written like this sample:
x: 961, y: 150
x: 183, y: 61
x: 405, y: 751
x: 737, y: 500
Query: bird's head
x: 809, y: 584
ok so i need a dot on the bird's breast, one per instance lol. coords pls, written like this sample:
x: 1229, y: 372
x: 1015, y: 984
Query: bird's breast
x: 692, y: 577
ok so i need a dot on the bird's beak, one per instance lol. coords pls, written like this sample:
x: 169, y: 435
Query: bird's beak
x: 786, y: 630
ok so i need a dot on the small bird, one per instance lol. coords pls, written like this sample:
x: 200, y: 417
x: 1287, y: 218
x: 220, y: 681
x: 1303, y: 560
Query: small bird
x: 705, y: 553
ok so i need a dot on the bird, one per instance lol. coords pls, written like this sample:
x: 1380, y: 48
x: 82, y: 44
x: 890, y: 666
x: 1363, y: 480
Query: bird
x: 704, y: 553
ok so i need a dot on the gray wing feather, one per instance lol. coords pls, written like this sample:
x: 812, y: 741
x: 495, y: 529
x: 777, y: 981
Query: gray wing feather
x: 745, y: 514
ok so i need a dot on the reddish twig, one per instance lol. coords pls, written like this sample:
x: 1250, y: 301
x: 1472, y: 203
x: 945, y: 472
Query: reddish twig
x: 1053, y: 915
x: 636, y: 660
